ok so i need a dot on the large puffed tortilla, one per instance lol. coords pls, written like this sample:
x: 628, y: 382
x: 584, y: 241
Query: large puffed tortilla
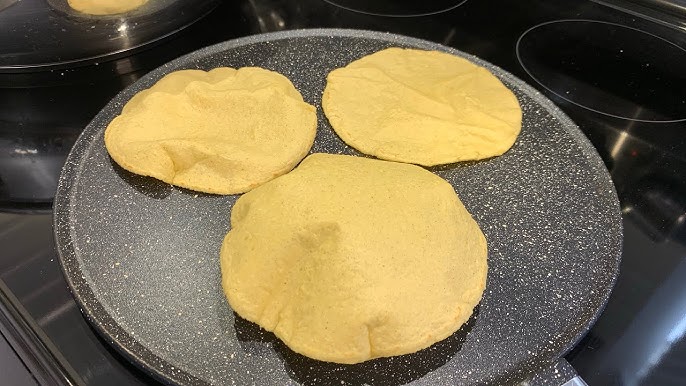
x: 224, y: 131
x: 347, y: 259
x: 422, y: 107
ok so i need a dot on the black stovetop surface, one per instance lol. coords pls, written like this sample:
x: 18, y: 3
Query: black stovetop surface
x: 620, y: 77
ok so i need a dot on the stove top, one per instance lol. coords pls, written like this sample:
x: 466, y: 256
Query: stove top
x: 619, y: 76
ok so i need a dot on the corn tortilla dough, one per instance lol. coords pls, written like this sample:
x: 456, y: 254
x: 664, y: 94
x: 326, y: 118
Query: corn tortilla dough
x: 224, y: 131
x: 105, y: 7
x: 422, y: 107
x: 347, y: 259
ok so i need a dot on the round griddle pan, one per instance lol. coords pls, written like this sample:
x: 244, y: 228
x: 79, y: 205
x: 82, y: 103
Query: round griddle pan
x: 142, y: 257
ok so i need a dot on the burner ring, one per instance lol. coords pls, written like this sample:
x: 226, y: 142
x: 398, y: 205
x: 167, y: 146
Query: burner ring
x: 368, y: 8
x: 608, y: 68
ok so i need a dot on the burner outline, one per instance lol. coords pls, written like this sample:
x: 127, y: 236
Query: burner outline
x: 334, y: 3
x: 521, y: 63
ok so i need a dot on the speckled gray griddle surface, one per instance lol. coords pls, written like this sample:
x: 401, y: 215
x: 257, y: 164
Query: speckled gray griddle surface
x: 142, y: 259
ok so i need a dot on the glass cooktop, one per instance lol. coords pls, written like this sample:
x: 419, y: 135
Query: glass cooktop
x: 619, y: 76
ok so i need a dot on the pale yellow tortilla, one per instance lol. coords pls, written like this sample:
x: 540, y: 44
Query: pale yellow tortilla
x: 422, y: 107
x: 105, y: 7
x: 224, y: 131
x: 347, y: 259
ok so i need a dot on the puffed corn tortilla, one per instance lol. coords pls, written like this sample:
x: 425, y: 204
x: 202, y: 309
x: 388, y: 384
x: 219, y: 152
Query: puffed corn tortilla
x: 421, y: 107
x: 105, y: 7
x: 224, y: 131
x: 347, y: 259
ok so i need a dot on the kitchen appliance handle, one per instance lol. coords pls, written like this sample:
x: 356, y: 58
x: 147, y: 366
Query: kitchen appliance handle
x: 561, y: 373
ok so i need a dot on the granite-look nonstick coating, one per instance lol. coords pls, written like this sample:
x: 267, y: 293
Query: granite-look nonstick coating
x: 142, y: 259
